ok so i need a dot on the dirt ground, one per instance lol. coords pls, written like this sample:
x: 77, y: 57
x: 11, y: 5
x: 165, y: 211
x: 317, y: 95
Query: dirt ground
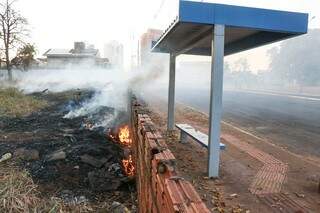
x: 67, y: 161
x: 255, y: 174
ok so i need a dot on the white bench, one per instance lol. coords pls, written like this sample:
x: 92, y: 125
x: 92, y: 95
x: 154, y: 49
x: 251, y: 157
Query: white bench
x: 187, y: 130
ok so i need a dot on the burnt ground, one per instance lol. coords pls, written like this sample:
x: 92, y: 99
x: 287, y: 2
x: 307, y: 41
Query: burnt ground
x: 66, y: 159
x: 238, y: 169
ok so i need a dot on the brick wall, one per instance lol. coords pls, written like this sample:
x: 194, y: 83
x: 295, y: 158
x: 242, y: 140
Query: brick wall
x: 160, y: 189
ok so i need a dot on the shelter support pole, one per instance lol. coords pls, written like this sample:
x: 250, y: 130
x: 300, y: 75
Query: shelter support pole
x: 216, y: 91
x: 171, y: 99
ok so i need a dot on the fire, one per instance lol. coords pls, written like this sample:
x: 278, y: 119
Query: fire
x: 128, y: 166
x: 124, y: 136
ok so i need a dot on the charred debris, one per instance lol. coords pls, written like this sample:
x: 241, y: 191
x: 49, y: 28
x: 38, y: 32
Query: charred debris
x: 72, y: 158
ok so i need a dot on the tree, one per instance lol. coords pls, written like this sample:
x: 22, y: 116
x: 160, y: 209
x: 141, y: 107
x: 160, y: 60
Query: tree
x: 296, y: 61
x: 24, y: 57
x: 13, y: 30
x: 241, y: 65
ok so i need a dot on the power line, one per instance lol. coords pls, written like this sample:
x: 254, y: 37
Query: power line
x: 159, y: 10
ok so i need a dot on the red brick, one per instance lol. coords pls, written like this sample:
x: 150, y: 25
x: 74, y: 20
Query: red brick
x: 168, y: 154
x: 169, y: 205
x: 159, y: 193
x: 149, y: 200
x: 148, y: 126
x: 157, y: 135
x: 152, y: 145
x: 154, y: 208
x: 160, y: 202
x: 162, y: 143
x: 154, y: 167
x: 160, y: 184
x: 173, y: 192
x: 182, y: 208
x: 150, y: 135
x: 199, y: 208
x: 154, y: 185
x: 165, y: 156
x: 189, y: 191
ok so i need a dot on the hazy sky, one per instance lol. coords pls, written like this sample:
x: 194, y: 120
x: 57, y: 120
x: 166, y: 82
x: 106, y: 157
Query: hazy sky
x: 58, y: 23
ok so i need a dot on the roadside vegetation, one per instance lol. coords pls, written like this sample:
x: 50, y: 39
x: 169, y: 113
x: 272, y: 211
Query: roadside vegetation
x: 14, y: 103
x: 17, y: 190
x: 18, y: 193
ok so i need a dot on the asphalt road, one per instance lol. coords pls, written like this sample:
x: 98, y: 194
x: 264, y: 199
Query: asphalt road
x: 292, y: 121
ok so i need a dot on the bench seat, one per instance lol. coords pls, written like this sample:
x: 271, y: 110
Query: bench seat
x: 200, y: 137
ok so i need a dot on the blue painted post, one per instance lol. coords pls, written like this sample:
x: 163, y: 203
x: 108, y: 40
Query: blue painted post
x: 217, y: 51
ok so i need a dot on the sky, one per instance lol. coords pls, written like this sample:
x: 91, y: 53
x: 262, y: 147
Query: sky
x: 58, y: 23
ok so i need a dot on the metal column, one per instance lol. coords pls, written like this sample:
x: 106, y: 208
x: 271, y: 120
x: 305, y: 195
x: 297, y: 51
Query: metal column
x: 171, y: 99
x: 183, y: 137
x: 217, y: 52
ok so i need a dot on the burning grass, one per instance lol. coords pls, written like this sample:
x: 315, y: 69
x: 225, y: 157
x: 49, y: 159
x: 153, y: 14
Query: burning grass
x: 124, y: 136
x: 69, y: 184
x: 125, y: 140
x: 15, y: 104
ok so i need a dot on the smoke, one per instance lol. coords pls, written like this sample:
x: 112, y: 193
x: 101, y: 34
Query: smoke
x: 151, y: 73
x: 66, y: 79
x: 109, y: 88
x: 107, y: 105
x: 112, y: 95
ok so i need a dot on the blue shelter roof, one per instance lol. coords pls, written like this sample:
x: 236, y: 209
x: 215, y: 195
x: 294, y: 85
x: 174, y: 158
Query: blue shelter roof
x: 245, y: 28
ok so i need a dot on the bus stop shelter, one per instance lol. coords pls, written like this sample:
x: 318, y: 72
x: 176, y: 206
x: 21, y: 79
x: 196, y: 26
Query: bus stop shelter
x: 219, y: 30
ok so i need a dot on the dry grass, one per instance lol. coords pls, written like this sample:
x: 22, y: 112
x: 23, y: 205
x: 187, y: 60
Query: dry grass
x: 19, y: 194
x: 14, y: 103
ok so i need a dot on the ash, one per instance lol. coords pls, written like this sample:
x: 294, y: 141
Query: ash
x: 71, y: 159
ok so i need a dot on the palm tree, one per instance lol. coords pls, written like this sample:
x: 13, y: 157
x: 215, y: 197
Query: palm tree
x: 25, y: 56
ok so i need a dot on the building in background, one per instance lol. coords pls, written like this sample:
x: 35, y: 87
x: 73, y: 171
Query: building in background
x: 145, y: 54
x: 113, y: 50
x: 81, y: 55
x: 148, y: 60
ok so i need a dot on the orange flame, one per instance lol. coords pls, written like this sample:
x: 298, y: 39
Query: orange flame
x: 124, y: 136
x: 125, y: 140
x: 128, y: 166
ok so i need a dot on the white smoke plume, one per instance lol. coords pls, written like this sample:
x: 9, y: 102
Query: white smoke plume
x: 110, y: 88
